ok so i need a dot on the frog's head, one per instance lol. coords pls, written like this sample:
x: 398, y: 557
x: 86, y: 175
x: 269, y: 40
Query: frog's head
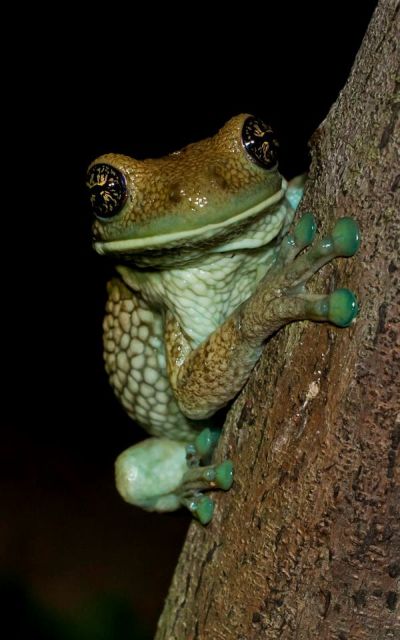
x: 193, y: 197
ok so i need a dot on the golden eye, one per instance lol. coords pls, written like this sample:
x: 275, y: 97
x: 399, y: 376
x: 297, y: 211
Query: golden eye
x: 107, y: 190
x: 259, y: 141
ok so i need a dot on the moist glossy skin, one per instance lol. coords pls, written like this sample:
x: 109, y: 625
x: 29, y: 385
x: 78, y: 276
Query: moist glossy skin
x: 205, y: 183
x: 207, y: 272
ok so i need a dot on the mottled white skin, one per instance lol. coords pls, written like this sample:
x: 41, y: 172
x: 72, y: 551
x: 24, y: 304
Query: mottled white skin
x: 155, y: 316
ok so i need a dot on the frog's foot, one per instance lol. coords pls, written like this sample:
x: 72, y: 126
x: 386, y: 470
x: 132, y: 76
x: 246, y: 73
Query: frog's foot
x: 154, y: 475
x: 290, y: 273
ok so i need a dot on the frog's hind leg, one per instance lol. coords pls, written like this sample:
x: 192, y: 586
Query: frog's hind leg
x: 148, y: 473
x: 156, y: 474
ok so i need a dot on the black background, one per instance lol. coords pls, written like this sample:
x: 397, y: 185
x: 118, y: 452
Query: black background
x: 144, y: 85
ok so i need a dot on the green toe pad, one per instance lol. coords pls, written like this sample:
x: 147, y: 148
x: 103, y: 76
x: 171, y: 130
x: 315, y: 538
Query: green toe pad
x: 224, y: 475
x: 346, y: 237
x: 340, y: 308
x: 343, y: 307
x: 305, y: 229
x: 203, y: 509
x: 206, y: 441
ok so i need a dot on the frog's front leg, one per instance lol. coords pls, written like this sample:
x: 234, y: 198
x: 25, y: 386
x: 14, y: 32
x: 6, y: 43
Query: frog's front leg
x: 209, y: 376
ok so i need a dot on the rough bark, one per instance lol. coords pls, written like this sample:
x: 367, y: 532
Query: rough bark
x: 307, y: 543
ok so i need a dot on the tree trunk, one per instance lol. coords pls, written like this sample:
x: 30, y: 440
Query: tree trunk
x: 307, y: 542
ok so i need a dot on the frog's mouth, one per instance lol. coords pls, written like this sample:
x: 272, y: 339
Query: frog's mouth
x: 212, y: 233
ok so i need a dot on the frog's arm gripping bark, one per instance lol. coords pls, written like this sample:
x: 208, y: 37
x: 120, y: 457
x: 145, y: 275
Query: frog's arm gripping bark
x: 205, y: 379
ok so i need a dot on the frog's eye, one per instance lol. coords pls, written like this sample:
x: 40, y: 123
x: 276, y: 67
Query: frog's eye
x: 260, y: 143
x: 107, y: 190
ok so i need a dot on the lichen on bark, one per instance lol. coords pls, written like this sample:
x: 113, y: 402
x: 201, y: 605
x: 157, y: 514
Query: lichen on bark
x: 307, y: 543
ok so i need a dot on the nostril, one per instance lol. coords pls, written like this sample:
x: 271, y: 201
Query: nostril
x: 217, y: 175
x: 175, y: 193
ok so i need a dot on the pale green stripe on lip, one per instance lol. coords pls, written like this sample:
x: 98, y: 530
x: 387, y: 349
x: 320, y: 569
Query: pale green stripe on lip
x: 149, y: 242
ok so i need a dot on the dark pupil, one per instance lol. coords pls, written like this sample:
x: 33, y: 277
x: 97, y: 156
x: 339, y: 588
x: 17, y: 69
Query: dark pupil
x: 259, y: 142
x: 107, y: 190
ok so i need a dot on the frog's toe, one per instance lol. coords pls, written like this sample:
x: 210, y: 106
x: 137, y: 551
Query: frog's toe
x: 206, y: 441
x: 202, y: 448
x: 201, y: 507
x: 346, y: 237
x: 344, y: 240
x: 292, y: 244
x: 224, y: 475
x: 339, y: 308
x: 214, y: 476
x: 343, y: 307
x: 198, y: 479
x: 304, y: 232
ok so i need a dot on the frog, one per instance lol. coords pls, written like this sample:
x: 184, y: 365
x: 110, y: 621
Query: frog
x: 208, y: 267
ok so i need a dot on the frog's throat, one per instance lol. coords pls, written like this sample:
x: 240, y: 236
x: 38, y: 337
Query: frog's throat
x: 128, y: 245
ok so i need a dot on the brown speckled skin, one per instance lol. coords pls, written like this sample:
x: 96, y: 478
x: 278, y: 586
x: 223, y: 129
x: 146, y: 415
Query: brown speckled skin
x: 203, y: 177
x: 214, y: 372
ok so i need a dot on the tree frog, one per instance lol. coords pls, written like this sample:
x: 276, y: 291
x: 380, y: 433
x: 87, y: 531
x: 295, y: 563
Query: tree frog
x: 206, y: 271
